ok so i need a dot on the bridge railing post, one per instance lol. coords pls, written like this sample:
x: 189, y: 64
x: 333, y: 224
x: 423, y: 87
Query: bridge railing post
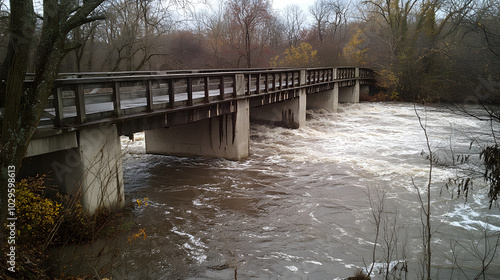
x: 249, y: 84
x: 281, y: 80
x: 171, y: 94
x: 189, y: 90
x: 274, y: 81
x: 239, y: 85
x: 221, y: 88
x: 206, y: 88
x: 80, y: 104
x: 117, y: 99
x: 58, y: 106
x: 302, y: 77
x: 149, y: 95
x: 266, y: 87
x: 287, y: 81
x: 257, y: 83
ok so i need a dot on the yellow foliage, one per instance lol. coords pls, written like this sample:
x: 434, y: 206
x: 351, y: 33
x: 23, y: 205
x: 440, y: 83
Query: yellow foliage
x: 36, y: 214
x: 389, y: 80
x: 142, y: 202
x: 141, y: 233
x: 301, y: 56
x: 354, y: 51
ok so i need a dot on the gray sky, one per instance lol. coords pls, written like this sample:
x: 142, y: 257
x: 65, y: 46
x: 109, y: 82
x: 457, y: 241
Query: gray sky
x: 304, y: 4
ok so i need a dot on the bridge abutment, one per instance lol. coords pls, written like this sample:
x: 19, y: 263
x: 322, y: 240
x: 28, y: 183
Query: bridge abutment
x: 226, y: 136
x: 89, y: 166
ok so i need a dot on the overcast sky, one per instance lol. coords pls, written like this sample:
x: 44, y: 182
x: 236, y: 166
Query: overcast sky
x: 304, y: 4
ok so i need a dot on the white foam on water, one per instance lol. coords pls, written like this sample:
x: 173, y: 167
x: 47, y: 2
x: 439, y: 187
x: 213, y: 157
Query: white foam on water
x: 136, y: 146
x: 314, y: 262
x: 314, y: 218
x: 195, y: 247
x: 372, y: 144
x: 379, y: 270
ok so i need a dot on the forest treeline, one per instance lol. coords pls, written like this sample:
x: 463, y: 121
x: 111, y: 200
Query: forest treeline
x: 427, y: 50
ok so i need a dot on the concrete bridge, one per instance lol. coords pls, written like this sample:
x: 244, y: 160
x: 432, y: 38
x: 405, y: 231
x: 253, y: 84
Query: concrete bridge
x: 184, y: 113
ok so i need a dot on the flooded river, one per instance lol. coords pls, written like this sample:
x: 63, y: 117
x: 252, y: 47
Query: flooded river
x: 299, y: 206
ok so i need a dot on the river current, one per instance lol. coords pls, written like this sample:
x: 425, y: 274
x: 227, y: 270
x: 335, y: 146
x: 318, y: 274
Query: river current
x: 302, y: 205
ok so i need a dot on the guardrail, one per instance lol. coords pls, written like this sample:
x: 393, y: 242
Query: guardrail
x: 82, y: 98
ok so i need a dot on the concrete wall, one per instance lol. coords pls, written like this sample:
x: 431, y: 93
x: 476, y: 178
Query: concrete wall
x: 349, y: 94
x: 225, y: 136
x: 328, y: 100
x: 93, y: 170
x: 364, y: 89
x: 101, y: 163
x: 51, y: 144
x: 288, y: 113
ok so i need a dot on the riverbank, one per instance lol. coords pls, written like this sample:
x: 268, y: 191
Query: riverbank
x: 40, y: 249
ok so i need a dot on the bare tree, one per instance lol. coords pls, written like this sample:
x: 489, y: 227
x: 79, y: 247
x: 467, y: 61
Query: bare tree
x: 328, y: 15
x: 294, y: 20
x: 248, y: 17
x: 390, y: 237
x: 22, y: 108
x: 424, y: 199
x: 85, y: 35
x: 213, y: 27
x: 132, y: 31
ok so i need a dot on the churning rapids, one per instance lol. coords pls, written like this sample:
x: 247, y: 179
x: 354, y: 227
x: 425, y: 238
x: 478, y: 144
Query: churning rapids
x: 299, y: 207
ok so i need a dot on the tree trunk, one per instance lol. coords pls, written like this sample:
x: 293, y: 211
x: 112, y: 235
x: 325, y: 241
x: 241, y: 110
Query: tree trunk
x: 12, y: 139
x: 22, y: 111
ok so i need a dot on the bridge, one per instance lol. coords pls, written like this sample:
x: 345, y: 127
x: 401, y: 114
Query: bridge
x: 183, y: 113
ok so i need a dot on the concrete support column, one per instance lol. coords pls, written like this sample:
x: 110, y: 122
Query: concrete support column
x: 349, y: 94
x: 356, y: 91
x: 101, y: 168
x: 288, y: 113
x: 364, y: 89
x: 86, y: 163
x: 225, y: 136
x: 328, y: 100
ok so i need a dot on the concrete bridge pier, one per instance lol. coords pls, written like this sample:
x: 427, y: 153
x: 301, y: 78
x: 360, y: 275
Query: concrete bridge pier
x: 226, y: 136
x: 101, y: 165
x: 223, y: 136
x: 328, y: 100
x: 289, y: 112
x: 349, y: 94
x: 364, y: 89
x: 86, y: 163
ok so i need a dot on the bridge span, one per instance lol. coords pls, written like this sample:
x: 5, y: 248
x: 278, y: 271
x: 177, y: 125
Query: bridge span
x: 183, y: 113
